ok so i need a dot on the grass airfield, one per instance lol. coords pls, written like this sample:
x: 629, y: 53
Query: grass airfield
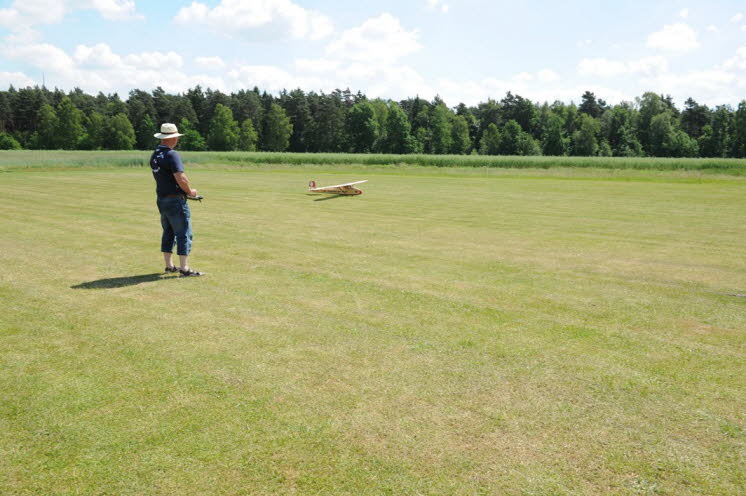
x: 450, y: 331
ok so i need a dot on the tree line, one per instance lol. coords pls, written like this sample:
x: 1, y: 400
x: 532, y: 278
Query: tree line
x: 340, y: 121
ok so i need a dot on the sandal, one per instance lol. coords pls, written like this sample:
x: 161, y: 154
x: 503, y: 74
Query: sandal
x: 171, y: 269
x: 190, y: 273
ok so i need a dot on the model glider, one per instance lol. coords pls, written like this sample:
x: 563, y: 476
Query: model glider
x: 337, y: 189
x: 197, y: 198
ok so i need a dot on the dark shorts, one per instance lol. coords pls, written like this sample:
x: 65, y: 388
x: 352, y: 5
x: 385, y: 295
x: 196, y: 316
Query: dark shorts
x: 176, y: 223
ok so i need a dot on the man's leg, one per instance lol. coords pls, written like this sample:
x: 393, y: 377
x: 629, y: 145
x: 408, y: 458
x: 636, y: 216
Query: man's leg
x: 183, y: 230
x: 168, y: 237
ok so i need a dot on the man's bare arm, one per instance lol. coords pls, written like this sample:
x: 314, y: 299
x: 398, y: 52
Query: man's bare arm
x: 183, y: 183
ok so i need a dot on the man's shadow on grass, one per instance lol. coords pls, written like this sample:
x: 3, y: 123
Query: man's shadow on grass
x: 120, y: 282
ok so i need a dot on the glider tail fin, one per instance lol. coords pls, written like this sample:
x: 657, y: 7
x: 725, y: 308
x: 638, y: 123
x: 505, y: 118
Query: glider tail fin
x: 311, y: 184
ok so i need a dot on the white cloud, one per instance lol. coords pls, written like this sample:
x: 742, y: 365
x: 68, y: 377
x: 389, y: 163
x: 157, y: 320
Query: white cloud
x: 316, y: 65
x: 737, y: 17
x: 17, y: 79
x: 713, y: 29
x: 400, y: 82
x: 41, y: 55
x: 26, y: 13
x: 738, y: 61
x: 258, y: 20
x: 684, y: 13
x: 610, y: 68
x: 544, y: 76
x: 438, y: 5
x: 155, y: 60
x: 379, y: 40
x: 583, y: 43
x: 210, y: 63
x: 114, y: 10
x: 547, y: 76
x: 96, y: 57
x: 675, y: 38
x: 98, y: 68
x: 8, y: 17
x: 709, y: 85
x: 472, y: 92
x: 273, y: 79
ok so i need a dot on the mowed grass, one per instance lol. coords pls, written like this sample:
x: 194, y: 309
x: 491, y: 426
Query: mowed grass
x: 444, y: 333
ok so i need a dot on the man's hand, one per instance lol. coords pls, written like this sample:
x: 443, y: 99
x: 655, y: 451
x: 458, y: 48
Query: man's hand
x: 193, y: 192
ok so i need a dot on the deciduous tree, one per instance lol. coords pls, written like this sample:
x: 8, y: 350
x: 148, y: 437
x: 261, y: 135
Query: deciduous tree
x: 362, y: 127
x: 69, y: 129
x: 119, y: 133
x: 398, y: 132
x: 247, y: 136
x: 192, y: 139
x: 440, y: 127
x: 490, y: 143
x: 584, y: 142
x: 277, y: 129
x: 45, y: 137
x: 223, y: 135
x: 460, y: 140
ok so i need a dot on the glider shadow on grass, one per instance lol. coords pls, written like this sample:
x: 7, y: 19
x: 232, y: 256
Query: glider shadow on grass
x: 120, y: 282
x: 328, y: 197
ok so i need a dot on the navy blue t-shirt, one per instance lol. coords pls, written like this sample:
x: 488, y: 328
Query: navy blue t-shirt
x: 164, y: 163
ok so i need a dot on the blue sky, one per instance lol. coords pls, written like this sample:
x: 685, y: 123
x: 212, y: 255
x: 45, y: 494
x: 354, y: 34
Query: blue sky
x: 465, y: 51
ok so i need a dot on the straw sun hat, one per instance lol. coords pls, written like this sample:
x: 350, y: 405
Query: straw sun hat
x: 168, y: 130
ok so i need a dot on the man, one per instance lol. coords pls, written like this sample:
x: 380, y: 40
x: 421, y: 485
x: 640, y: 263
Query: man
x: 172, y: 188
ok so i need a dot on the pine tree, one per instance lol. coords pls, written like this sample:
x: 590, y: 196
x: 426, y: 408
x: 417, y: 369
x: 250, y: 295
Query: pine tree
x: 328, y: 131
x: 296, y: 106
x: 6, y: 112
x: 738, y: 137
x: 694, y: 118
x: 589, y: 105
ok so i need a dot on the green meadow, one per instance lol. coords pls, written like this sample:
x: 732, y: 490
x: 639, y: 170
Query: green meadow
x: 456, y: 331
x: 80, y: 159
